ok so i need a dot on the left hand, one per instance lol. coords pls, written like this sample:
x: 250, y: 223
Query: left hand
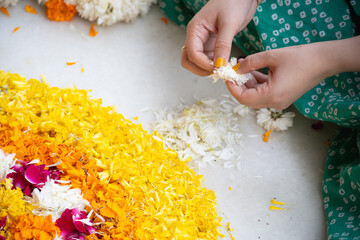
x: 292, y: 72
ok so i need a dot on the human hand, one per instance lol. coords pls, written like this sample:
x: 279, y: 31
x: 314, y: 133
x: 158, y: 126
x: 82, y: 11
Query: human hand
x: 211, y: 31
x: 292, y: 72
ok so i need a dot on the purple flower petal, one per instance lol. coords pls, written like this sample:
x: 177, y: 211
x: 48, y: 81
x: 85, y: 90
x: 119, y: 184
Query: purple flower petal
x: 90, y: 229
x: 80, y: 226
x: 3, y: 223
x: 19, y: 181
x: 36, y: 174
x: 55, y: 173
x: 27, y: 191
x: 65, y: 223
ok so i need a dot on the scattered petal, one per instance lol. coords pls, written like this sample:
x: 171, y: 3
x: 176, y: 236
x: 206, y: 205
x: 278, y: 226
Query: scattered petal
x: 30, y: 9
x: 276, y: 208
x: 5, y: 11
x: 266, y: 136
x: 273, y: 201
x: 164, y: 20
x: 15, y: 29
x: 93, y: 31
x: 317, y: 126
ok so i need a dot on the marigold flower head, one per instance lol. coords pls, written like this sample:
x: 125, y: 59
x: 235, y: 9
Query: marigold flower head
x: 30, y: 227
x: 58, y: 10
x: 11, y: 201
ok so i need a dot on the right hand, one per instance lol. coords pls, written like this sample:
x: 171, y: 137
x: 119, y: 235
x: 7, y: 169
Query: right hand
x: 211, y: 31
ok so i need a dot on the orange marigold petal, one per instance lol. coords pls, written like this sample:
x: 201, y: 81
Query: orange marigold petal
x: 30, y: 9
x: 33, y: 227
x: 70, y: 63
x: 15, y: 29
x: 5, y: 11
x: 164, y: 20
x: 266, y: 136
x: 93, y: 31
x: 58, y: 10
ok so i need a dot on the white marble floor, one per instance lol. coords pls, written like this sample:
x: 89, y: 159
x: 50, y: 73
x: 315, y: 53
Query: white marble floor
x: 137, y: 66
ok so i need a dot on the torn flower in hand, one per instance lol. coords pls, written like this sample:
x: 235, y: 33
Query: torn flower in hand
x: 227, y: 73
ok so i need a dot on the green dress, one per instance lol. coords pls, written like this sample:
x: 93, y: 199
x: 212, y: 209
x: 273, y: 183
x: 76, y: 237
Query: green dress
x: 283, y: 23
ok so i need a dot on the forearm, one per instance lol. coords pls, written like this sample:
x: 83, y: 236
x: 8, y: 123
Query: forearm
x: 341, y: 55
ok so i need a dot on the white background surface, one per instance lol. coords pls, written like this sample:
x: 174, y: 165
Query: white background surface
x: 137, y: 66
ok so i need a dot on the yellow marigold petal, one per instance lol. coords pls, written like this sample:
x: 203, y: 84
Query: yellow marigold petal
x: 273, y: 201
x: 276, y: 208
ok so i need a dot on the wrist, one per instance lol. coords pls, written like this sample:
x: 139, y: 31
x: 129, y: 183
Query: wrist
x: 341, y: 55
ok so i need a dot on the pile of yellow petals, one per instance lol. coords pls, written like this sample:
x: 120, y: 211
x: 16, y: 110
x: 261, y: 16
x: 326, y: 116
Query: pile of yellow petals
x: 11, y: 201
x: 138, y: 189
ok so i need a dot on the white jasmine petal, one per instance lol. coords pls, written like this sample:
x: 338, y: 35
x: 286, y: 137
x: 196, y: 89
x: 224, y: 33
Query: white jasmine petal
x: 206, y: 131
x: 6, y: 162
x: 8, y: 3
x: 53, y: 199
x: 108, y: 12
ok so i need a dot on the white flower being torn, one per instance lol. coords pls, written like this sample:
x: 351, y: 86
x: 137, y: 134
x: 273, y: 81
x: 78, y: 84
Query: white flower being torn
x: 228, y: 73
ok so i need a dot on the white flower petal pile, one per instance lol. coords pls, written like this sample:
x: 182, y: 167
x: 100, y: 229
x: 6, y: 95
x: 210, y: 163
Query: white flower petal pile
x: 6, y: 162
x: 274, y: 119
x: 108, y: 12
x: 206, y: 131
x: 227, y: 73
x: 53, y: 199
x: 7, y: 3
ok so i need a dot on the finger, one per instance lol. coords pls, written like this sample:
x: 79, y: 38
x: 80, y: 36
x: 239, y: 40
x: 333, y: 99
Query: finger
x: 196, y: 36
x: 252, y: 97
x: 256, y: 79
x: 260, y: 77
x: 251, y: 83
x: 235, y: 89
x: 187, y: 64
x: 226, y: 33
x: 256, y: 61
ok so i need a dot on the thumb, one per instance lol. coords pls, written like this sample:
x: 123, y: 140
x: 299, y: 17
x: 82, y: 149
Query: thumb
x: 226, y: 33
x: 256, y: 61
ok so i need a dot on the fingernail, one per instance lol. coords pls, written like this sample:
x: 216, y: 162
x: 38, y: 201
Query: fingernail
x: 236, y: 67
x: 219, y: 62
